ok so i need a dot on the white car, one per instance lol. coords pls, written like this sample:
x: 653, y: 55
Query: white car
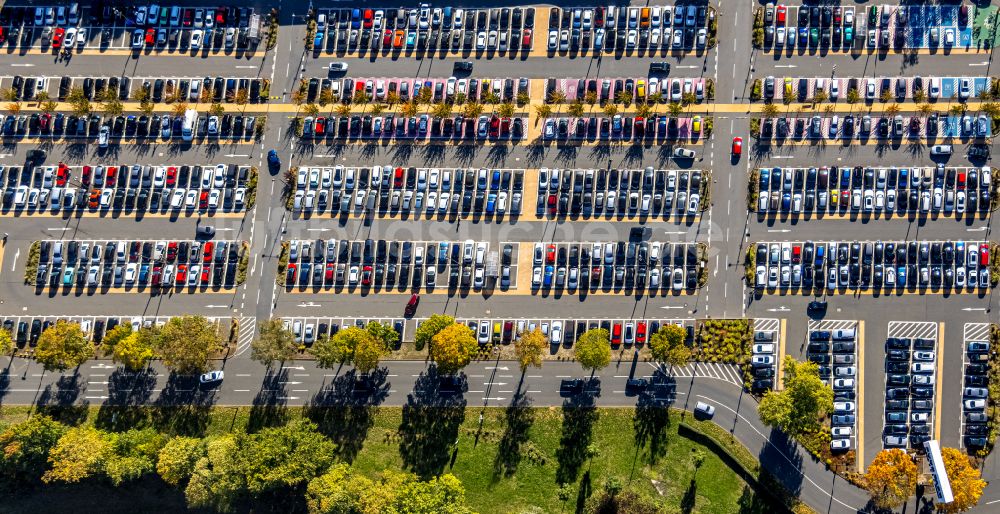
x: 212, y: 377
x: 763, y: 348
x: 974, y: 404
x: 762, y: 360
x: 843, y: 407
x: 196, y: 39
x: 839, y: 432
x: 840, y: 444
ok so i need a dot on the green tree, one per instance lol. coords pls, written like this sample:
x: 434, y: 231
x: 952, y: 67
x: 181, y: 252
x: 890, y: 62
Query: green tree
x: 805, y: 398
x: 688, y: 99
x: 819, y: 96
x: 675, y: 109
x: 472, y: 110
x: 452, y: 348
x: 770, y: 110
x: 544, y: 111
x: 311, y: 110
x: 505, y: 110
x: 409, y: 109
x: 78, y: 100
x: 590, y: 98
x: 216, y: 109
x: 430, y: 327
x: 523, y: 98
x: 274, y: 344
x: 6, y: 342
x: 176, y: 460
x: 25, y: 447
x: 78, y: 454
x: 441, y: 110
x: 557, y: 97
x: 111, y: 104
x: 667, y: 345
x: 392, y: 97
x: 114, y: 336
x: 136, y: 349
x: 575, y: 109
x: 186, y: 343
x: 593, y: 349
x: 131, y: 454
x: 610, y: 110
x: 529, y: 348
x: 333, y: 351
x: 63, y: 346
x: 853, y: 96
x: 342, y: 490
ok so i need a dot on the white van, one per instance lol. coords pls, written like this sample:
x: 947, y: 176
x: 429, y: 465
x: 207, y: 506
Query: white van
x: 188, y: 129
x: 194, y: 91
x: 844, y: 334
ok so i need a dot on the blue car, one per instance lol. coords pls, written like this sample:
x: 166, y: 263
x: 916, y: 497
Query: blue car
x: 355, y: 18
x: 491, y: 203
x: 272, y: 159
x: 901, y: 276
x: 318, y: 42
x: 765, y: 177
x: 547, y: 278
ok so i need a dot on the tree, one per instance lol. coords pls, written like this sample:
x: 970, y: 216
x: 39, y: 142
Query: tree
x: 25, y: 446
x: 369, y: 350
x: 48, y: 106
x: 326, y: 97
x: 886, y: 95
x: 472, y: 110
x: 186, y: 342
x: 529, y: 347
x: 610, y: 110
x: 966, y: 481
x: 925, y: 109
x: 805, y: 398
x: 770, y: 110
x: 311, y: 110
x: 593, y: 349
x: 575, y: 109
x: 853, y: 96
x: 114, y: 336
x: 392, y: 97
x: 957, y: 109
x: 409, y: 109
x: 429, y: 328
x: 78, y: 100
x: 343, y: 110
x: 131, y: 454
x: 177, y: 459
x: 63, y: 346
x: 14, y: 108
x: 505, y: 110
x: 919, y: 95
x: 10, y: 94
x: 453, y: 347
x: 6, y: 342
x: 819, y: 96
x: 675, y: 109
x: 557, y: 97
x: 892, y: 109
x: 275, y: 343
x: 688, y: 99
x: 623, y: 97
x: 216, y: 109
x: 667, y: 345
x: 590, y: 97
x: 242, y: 97
x: 523, y: 98
x: 342, y: 490
x: 644, y: 110
x: 891, y: 478
x: 333, y: 351
x: 423, y: 97
x: 77, y: 455
x: 441, y: 110
x: 378, y: 109
x: 179, y: 109
x: 136, y: 349
x: 543, y: 111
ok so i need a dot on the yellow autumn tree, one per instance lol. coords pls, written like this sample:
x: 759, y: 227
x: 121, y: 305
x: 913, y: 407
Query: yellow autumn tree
x: 966, y: 481
x: 78, y: 455
x: 453, y: 347
x: 891, y: 478
x: 529, y: 347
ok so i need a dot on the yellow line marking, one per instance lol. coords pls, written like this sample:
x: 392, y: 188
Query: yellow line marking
x: 894, y: 144
x: 781, y: 357
x: 859, y: 456
x: 939, y: 385
x: 3, y: 248
x: 525, y: 259
x: 867, y: 292
x: 6, y: 141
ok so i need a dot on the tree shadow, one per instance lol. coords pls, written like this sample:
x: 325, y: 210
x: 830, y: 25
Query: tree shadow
x: 783, y: 458
x: 431, y: 418
x: 4, y: 382
x: 59, y: 400
x: 750, y: 502
x: 579, y: 416
x: 689, y: 498
x: 270, y: 404
x: 128, y: 394
x: 584, y: 491
x: 183, y: 408
x: 345, y: 409
x: 651, y: 426
x: 518, y: 419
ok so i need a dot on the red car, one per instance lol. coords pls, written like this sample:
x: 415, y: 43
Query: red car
x: 205, y: 271
x: 368, y: 18
x: 984, y: 255
x: 181, y: 274
x: 150, y: 37
x: 411, y: 306
x: 209, y: 246
x: 109, y: 176
x: 616, y: 333
x: 397, y: 179
x: 494, y: 126
x: 550, y: 254
x: 737, y: 146
x: 85, y: 177
x: 640, y: 333
x: 62, y: 175
x: 387, y: 38
x: 188, y: 17
x: 526, y: 39
x: 171, y: 176
x: 329, y: 273
x: 781, y: 15
x: 57, y: 37
x: 366, y: 275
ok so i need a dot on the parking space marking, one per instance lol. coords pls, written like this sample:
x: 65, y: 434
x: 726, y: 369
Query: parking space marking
x: 118, y: 213
x: 832, y: 353
x: 970, y: 332
x: 859, y: 459
x: 780, y: 383
x: 912, y: 330
x: 97, y: 290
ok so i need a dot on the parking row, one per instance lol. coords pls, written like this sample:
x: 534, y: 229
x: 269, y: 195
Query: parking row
x: 138, y: 265
x: 887, y: 192
x: 835, y: 351
x: 889, y: 267
x: 875, y: 88
x: 764, y: 355
x: 158, y: 89
x: 451, y: 90
x: 132, y: 128
x: 623, y: 267
x: 409, y: 191
x: 607, y: 193
x: 637, y: 129
x: 25, y: 330
x: 628, y: 332
x: 414, y: 128
x: 975, y: 384
x: 627, y: 90
x: 911, y: 366
x: 965, y: 128
x: 209, y: 189
x: 374, y: 266
x: 629, y: 29
x: 307, y: 331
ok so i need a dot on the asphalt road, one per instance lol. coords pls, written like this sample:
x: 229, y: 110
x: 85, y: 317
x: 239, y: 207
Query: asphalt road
x: 726, y: 227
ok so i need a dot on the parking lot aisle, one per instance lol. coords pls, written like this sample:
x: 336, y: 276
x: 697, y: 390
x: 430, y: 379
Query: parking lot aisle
x: 940, y: 383
x: 859, y: 454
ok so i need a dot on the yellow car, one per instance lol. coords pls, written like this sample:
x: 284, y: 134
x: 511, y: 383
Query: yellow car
x: 834, y: 196
x: 640, y: 89
x: 788, y: 87
x: 696, y: 125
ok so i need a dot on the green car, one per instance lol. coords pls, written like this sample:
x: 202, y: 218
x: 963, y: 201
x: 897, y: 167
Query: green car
x: 872, y: 16
x: 68, y: 276
x: 813, y: 36
x: 848, y: 36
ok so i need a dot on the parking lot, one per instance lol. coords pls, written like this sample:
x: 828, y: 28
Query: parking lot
x: 912, y: 371
x: 836, y: 346
x: 25, y: 330
x: 872, y: 89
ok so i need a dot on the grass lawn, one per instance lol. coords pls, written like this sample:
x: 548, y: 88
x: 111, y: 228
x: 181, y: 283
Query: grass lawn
x: 514, y: 464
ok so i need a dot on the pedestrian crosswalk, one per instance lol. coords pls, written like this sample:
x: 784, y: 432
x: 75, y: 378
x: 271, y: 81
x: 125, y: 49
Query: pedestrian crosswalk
x: 913, y: 329
x: 719, y: 371
x: 247, y: 329
x: 772, y: 324
x: 976, y: 332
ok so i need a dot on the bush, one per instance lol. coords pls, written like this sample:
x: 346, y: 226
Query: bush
x: 753, y: 192
x: 750, y: 263
x: 252, y: 188
x: 241, y: 271
x: 723, y: 340
x: 758, y: 38
x: 282, y: 264
x: 755, y: 91
x: 31, y: 268
x: 755, y: 128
